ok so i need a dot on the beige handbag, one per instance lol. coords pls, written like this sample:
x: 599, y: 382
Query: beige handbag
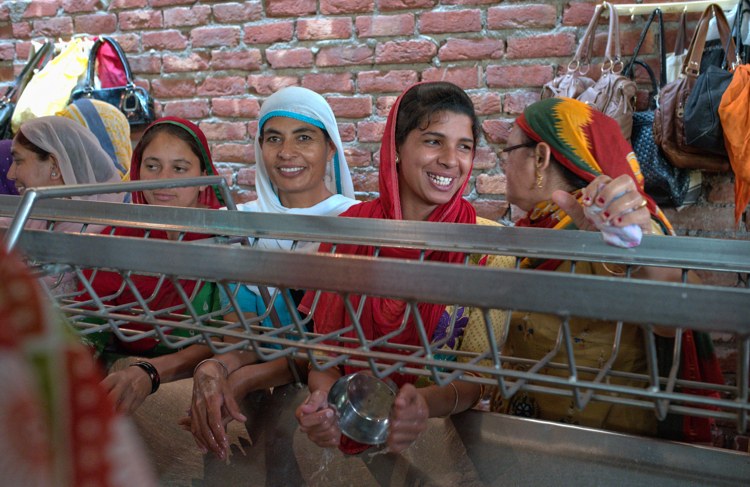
x: 613, y: 94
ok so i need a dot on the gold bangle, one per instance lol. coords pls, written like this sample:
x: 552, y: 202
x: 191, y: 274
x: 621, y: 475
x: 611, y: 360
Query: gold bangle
x: 455, y: 404
x: 621, y: 273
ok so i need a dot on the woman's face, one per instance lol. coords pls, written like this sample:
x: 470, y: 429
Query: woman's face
x: 167, y: 157
x: 434, y: 163
x: 520, y: 172
x: 29, y: 171
x: 296, y: 154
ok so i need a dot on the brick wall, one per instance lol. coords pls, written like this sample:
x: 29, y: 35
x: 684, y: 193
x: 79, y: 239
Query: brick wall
x: 214, y: 62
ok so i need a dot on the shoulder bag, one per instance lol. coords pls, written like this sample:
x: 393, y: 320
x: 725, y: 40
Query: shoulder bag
x: 133, y: 101
x: 674, y: 60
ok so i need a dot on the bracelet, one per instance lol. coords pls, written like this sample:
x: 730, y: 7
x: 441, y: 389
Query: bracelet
x: 621, y: 273
x: 153, y: 374
x: 211, y: 360
x: 455, y: 405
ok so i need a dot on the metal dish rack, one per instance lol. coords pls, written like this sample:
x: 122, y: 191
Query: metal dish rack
x: 646, y: 303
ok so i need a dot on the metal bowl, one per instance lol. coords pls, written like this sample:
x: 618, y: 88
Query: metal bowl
x: 363, y: 403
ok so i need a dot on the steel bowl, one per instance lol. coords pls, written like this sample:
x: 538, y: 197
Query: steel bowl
x: 363, y: 403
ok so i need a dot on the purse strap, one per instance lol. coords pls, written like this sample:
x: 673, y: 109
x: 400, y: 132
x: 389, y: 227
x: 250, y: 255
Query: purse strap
x: 582, y: 56
x: 28, y: 71
x: 612, y: 52
x: 652, y: 97
x: 681, y: 39
x: 692, y: 63
x: 89, y: 86
x: 662, y: 51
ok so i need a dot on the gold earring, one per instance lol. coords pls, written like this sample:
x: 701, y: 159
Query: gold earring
x: 539, y: 179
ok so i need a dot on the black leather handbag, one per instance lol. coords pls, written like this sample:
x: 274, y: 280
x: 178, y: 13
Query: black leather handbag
x: 133, y: 101
x: 666, y: 184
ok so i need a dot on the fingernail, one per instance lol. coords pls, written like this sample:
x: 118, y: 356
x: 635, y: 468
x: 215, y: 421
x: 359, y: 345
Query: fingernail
x: 601, y: 200
x: 619, y: 220
x: 329, y: 413
x: 606, y: 214
x: 587, y: 199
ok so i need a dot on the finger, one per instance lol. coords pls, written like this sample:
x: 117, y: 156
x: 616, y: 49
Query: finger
x: 316, y: 401
x: 213, y: 417
x: 614, y: 190
x: 203, y: 430
x: 628, y: 202
x: 589, y: 193
x: 568, y: 203
x: 640, y: 217
x: 233, y: 409
x: 318, y: 420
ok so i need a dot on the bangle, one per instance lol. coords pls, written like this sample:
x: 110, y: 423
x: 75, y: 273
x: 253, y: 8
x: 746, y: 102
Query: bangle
x: 455, y: 404
x: 153, y: 374
x: 621, y: 273
x: 211, y: 360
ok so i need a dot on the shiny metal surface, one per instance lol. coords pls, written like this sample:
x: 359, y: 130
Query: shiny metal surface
x: 363, y: 403
x: 470, y: 449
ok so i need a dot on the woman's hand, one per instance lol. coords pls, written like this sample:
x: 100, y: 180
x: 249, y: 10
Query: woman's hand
x: 213, y: 397
x: 319, y: 421
x: 127, y: 388
x: 621, y: 211
x: 408, y: 418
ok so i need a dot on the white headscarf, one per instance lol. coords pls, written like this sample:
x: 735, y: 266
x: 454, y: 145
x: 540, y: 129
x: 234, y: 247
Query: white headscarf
x: 307, y: 106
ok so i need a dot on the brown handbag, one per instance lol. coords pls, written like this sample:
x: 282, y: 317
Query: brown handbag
x: 613, y: 94
x: 669, y: 124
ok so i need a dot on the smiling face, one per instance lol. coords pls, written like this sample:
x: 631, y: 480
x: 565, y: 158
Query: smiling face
x: 296, y: 155
x: 29, y: 170
x: 167, y: 157
x: 434, y: 163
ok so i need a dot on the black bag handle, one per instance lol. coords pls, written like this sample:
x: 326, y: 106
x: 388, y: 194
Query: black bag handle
x: 89, y: 86
x: 737, y: 30
x: 654, y: 87
x: 28, y: 71
x: 662, y: 50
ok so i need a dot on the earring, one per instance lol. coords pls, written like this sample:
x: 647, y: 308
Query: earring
x: 54, y: 174
x: 398, y: 159
x: 539, y: 179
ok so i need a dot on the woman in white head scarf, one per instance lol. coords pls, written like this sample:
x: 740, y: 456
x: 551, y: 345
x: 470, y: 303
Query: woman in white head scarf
x: 300, y: 169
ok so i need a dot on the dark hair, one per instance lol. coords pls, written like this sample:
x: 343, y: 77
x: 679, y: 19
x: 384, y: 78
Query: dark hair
x: 27, y: 144
x: 572, y: 179
x: 175, y: 131
x: 422, y: 103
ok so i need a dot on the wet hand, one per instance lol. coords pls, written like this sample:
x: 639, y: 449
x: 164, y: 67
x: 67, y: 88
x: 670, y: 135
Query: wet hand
x: 127, y: 388
x: 318, y: 420
x: 408, y: 418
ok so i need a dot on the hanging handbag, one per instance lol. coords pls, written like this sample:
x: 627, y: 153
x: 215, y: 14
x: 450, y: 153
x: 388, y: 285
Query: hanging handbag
x: 674, y: 60
x: 133, y: 101
x: 713, y: 52
x: 702, y: 123
x: 613, y: 94
x: 669, y: 124
x: 666, y: 184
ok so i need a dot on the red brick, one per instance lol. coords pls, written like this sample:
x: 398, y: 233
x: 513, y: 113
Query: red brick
x: 491, y: 184
x: 300, y: 57
x: 20, y: 30
x: 166, y: 39
x: 124, y: 4
x: 466, y: 78
x: 329, y: 82
x: 628, y: 41
x: 139, y: 20
x: 252, y: 128
x: 385, y: 81
x: 384, y: 5
x: 706, y: 218
x: 7, y: 74
x: 60, y: 26
x: 320, y: 29
x: 22, y: 50
x: 249, y: 60
x: 485, y: 158
x: 344, y: 56
x: 384, y: 104
x: 96, y: 24
x: 351, y: 107
x: 227, y: 172
x: 186, y: 109
x: 167, y: 3
x: 179, y: 17
x: 215, y: 36
x: 545, y: 45
x: 173, y: 88
x: 366, y: 182
x: 230, y: 13
x: 487, y: 103
x: 268, y: 85
x: 333, y: 7
x: 128, y: 42
x: 289, y: 8
x: 269, y: 33
x: 490, y: 209
x: 78, y: 6
x: 385, y: 25
x: 235, y: 107
x: 517, y: 76
x: 515, y: 103
x: 721, y: 193
x: 357, y: 157
x: 463, y: 49
x: 40, y: 8
x: 451, y: 21
x: 522, y: 17
x: 4, y: 12
x: 466, y: 2
x: 580, y: 13
x: 233, y: 152
x: 370, y: 131
x: 197, y: 61
x: 246, y: 176
x: 347, y: 131
x: 143, y: 83
x: 670, y: 36
x: 241, y: 197
x: 224, y: 130
x: 496, y: 131
x: 7, y: 52
x: 398, y: 52
x: 145, y: 64
x: 231, y: 85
